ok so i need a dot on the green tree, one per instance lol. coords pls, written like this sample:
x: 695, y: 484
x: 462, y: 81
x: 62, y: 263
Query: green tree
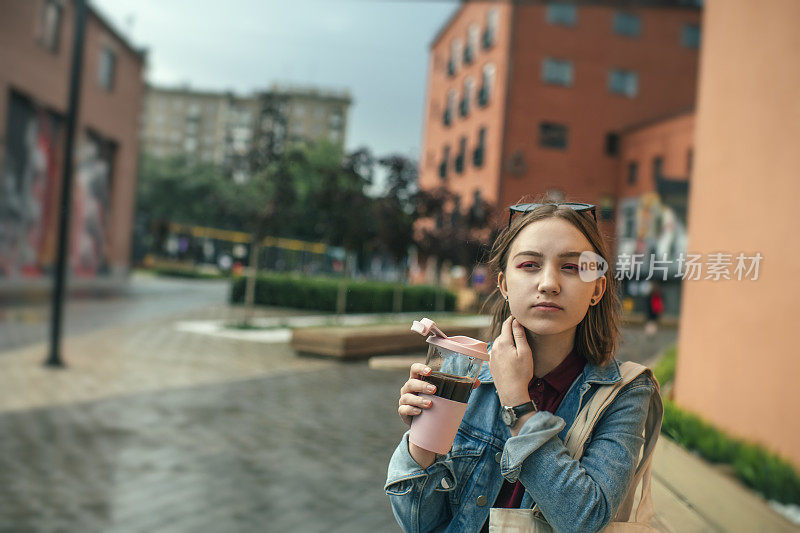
x: 176, y: 189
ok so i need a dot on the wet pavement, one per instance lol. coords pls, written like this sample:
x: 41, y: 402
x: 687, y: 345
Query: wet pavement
x: 146, y: 298
x: 155, y: 429
x: 302, y: 451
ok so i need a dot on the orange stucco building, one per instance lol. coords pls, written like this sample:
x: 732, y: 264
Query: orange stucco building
x: 529, y: 98
x: 738, y: 362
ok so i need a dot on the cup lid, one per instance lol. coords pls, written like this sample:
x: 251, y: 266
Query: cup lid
x: 462, y: 344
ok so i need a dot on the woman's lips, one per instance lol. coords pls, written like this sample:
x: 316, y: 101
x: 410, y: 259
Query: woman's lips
x: 546, y: 308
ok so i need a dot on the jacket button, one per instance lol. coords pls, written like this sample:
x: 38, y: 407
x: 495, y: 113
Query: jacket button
x: 481, y: 501
x: 497, y: 456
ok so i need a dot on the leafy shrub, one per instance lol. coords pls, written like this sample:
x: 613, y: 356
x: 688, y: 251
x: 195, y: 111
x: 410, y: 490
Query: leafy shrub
x: 665, y: 369
x: 758, y: 468
x: 177, y: 272
x: 321, y: 294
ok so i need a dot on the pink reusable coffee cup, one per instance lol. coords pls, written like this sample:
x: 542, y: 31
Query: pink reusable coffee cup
x: 455, y: 363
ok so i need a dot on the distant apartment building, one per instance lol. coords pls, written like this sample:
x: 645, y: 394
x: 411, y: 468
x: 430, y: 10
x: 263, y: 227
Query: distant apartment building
x: 225, y: 129
x: 214, y: 127
x: 532, y: 98
x: 310, y: 114
x: 36, y: 41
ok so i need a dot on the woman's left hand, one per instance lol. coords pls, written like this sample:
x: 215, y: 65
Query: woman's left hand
x: 511, y: 363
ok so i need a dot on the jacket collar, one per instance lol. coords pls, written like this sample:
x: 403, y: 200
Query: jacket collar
x: 602, y: 375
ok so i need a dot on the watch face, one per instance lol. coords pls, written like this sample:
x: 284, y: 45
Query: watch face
x: 507, y: 414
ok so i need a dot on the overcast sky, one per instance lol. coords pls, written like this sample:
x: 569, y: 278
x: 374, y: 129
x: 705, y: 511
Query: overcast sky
x: 378, y: 49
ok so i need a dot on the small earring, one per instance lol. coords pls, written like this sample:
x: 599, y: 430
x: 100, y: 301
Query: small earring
x: 592, y: 301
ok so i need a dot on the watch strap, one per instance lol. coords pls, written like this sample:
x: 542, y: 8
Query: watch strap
x: 524, y: 408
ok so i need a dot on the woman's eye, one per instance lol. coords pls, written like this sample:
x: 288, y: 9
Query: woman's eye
x: 527, y: 264
x: 571, y: 266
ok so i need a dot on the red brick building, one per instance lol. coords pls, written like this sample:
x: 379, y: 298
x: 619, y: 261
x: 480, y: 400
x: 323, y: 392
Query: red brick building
x: 531, y: 98
x: 36, y: 39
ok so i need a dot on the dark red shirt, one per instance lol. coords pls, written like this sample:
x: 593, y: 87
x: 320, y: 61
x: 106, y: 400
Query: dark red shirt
x: 547, y: 392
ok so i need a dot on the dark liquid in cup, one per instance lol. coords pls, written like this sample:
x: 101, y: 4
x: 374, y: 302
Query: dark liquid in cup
x: 456, y: 388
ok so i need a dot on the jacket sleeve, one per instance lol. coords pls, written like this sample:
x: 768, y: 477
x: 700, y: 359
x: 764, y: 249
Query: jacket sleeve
x: 581, y: 495
x: 418, y: 495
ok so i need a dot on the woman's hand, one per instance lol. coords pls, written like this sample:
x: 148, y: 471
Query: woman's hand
x: 410, y: 403
x: 511, y: 363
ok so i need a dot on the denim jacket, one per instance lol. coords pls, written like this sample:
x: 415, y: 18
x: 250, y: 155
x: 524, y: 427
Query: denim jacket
x: 456, y: 491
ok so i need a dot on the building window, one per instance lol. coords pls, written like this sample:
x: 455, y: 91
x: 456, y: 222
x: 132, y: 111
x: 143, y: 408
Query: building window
x: 490, y: 34
x: 462, y: 152
x: 629, y: 218
x: 456, y: 51
x: 633, y: 172
x: 106, y: 68
x: 516, y: 165
x: 627, y: 24
x: 557, y: 71
x: 658, y: 167
x: 487, y: 85
x: 443, y: 164
x: 52, y: 13
x: 612, y: 144
x: 473, y: 36
x: 335, y: 119
x: 469, y: 88
x: 553, y: 135
x: 477, y: 155
x: 624, y: 82
x: 690, y: 36
x: 606, y: 208
x: 562, y: 14
x: 449, y: 110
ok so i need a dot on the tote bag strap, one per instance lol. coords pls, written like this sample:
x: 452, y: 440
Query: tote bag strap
x: 585, y: 421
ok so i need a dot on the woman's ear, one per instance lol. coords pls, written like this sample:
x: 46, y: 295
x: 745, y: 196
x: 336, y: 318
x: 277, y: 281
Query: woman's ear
x: 599, y: 289
x: 501, y: 284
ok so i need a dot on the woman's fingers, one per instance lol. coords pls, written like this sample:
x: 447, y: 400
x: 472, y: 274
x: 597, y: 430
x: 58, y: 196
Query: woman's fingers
x: 505, y: 329
x: 418, y: 370
x: 407, y: 411
x: 521, y: 342
x: 417, y: 385
x: 414, y: 401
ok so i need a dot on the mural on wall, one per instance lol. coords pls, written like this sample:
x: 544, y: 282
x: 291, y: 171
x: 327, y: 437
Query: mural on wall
x: 28, y: 189
x: 29, y: 195
x: 91, y: 198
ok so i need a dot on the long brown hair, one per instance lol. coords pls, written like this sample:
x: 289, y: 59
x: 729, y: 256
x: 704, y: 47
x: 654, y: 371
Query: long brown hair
x: 597, y: 335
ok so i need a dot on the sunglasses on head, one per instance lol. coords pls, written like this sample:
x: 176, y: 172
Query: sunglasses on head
x: 526, y: 208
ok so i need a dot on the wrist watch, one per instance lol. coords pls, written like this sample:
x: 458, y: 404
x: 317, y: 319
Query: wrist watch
x: 510, y: 415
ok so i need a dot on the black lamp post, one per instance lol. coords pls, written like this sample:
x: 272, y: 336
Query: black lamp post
x: 54, y: 358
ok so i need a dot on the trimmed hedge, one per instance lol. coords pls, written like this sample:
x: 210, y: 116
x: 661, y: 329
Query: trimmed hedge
x: 758, y: 468
x: 321, y: 294
x: 191, y: 273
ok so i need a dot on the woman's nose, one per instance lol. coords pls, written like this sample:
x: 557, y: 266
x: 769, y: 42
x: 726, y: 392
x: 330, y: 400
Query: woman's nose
x: 548, y: 282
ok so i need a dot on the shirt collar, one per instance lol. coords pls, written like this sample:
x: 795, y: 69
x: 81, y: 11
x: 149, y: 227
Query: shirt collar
x: 562, y: 376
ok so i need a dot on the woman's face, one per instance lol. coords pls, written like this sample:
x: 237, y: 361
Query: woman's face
x: 530, y: 279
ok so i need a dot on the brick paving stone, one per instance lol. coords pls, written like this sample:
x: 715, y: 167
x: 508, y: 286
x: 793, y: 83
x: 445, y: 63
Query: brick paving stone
x: 153, y: 429
x: 300, y: 451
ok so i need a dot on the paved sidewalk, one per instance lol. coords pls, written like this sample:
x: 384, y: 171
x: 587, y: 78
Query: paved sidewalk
x: 155, y: 429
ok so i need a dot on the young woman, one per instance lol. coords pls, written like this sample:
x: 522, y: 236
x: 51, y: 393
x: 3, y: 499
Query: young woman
x: 555, y: 333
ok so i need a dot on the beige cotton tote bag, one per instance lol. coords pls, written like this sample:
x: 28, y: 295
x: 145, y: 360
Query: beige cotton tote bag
x: 533, y: 521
